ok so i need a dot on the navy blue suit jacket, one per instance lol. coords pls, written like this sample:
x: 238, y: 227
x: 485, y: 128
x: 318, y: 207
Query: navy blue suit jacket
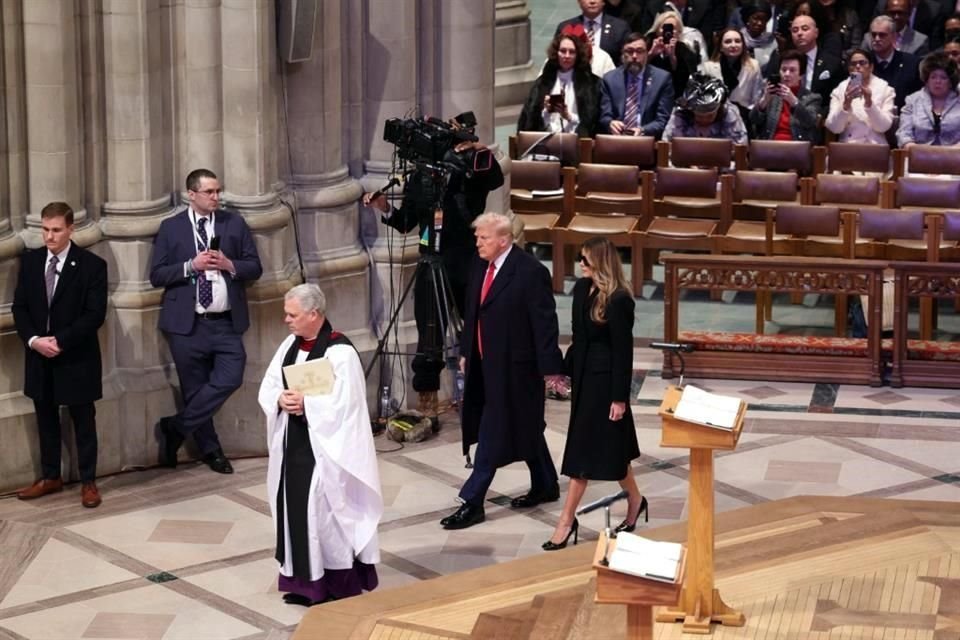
x: 175, y: 244
x: 656, y: 101
x: 613, y: 32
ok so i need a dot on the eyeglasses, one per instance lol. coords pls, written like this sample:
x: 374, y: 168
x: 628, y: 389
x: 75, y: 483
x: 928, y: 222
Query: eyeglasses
x: 876, y: 35
x: 582, y: 259
x: 634, y: 52
x: 209, y: 192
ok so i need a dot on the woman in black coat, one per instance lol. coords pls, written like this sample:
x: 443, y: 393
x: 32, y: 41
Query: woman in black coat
x: 601, y: 440
x: 566, y: 96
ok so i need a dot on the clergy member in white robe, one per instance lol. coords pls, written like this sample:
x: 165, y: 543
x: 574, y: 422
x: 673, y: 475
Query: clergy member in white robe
x: 322, y: 476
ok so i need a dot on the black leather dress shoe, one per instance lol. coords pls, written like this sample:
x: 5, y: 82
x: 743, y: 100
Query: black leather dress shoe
x: 218, y: 462
x: 466, y: 516
x: 532, y: 498
x: 170, y: 440
x: 296, y: 598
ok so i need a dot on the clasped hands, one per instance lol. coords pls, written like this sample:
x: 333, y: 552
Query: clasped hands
x: 46, y: 346
x: 212, y: 259
x: 291, y: 402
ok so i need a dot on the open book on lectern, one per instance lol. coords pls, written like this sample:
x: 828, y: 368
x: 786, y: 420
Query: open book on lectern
x: 645, y: 558
x: 708, y: 409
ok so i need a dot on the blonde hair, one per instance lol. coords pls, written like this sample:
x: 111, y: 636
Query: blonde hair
x: 662, y: 17
x: 500, y: 223
x: 607, y: 272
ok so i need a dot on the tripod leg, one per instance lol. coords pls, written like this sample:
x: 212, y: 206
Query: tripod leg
x: 382, y: 343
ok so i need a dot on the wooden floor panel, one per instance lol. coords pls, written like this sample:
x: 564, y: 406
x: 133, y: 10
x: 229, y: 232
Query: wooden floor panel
x: 799, y: 569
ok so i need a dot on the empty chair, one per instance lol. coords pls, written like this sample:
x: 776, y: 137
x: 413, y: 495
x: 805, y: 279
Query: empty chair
x: 849, y: 193
x: 537, y: 145
x: 853, y: 157
x: 687, y: 211
x: 695, y: 152
x: 611, y: 200
x: 925, y: 158
x: 803, y: 230
x: 775, y: 155
x: 640, y: 151
x: 530, y: 183
x: 754, y: 192
x: 930, y: 194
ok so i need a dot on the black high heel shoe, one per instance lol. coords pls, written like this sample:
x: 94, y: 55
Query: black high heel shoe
x: 549, y: 545
x: 630, y: 526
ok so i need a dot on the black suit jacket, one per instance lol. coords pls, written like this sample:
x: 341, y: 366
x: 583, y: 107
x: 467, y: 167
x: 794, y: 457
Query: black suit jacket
x: 518, y: 321
x: 614, y: 32
x: 902, y: 73
x: 929, y: 19
x: 175, y: 244
x: 77, y: 311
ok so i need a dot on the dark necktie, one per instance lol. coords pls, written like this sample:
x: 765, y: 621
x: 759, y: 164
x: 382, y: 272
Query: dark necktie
x: 633, y: 104
x: 882, y: 66
x: 487, y: 283
x: 204, y: 286
x: 51, y: 278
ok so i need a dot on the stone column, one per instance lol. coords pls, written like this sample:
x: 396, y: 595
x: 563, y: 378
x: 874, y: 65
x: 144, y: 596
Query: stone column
x: 515, y: 67
x: 197, y: 60
x: 466, y: 29
x: 54, y: 124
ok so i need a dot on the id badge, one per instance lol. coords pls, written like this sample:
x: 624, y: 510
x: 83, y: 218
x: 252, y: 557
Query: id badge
x: 212, y: 275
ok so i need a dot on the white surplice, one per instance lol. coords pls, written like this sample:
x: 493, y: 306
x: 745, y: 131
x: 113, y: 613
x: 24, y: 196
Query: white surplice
x: 345, y: 504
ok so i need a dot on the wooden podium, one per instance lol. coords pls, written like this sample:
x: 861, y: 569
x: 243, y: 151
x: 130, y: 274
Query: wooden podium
x: 700, y: 603
x: 639, y: 594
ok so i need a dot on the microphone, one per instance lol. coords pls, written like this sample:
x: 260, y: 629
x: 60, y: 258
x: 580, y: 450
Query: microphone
x: 394, y: 181
x: 684, y: 347
x: 602, y: 502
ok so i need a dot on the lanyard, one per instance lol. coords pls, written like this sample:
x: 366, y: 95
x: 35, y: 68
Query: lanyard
x: 198, y: 241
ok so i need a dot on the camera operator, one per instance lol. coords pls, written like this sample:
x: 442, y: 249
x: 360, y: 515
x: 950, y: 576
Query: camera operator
x: 461, y: 197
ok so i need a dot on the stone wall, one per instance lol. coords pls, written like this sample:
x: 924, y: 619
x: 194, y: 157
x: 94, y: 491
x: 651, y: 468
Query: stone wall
x: 108, y: 104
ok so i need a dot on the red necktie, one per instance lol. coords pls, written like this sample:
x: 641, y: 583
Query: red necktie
x: 487, y: 283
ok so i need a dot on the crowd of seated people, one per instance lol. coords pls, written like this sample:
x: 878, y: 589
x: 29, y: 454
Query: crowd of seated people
x: 865, y: 71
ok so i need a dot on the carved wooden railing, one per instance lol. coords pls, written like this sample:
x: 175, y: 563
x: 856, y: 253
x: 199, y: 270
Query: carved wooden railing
x: 940, y: 280
x: 860, y: 365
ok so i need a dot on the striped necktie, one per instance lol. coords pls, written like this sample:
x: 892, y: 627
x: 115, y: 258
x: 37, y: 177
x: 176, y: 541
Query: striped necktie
x: 632, y: 109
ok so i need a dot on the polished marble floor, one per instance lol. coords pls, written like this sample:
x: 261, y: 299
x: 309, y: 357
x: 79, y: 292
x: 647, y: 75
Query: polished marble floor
x: 187, y: 554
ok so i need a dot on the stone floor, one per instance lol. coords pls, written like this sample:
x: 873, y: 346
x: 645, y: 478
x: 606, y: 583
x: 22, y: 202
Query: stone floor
x: 187, y: 554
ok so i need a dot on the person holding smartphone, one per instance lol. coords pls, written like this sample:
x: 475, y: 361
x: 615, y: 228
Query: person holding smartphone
x: 669, y: 50
x: 787, y: 110
x: 862, y: 106
x: 565, y: 98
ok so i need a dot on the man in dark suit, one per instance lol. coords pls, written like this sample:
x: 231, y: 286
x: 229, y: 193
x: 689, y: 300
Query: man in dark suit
x: 605, y: 31
x: 203, y: 257
x: 924, y: 16
x: 900, y: 70
x: 652, y: 91
x: 59, y: 304
x: 508, y: 346
x: 824, y: 70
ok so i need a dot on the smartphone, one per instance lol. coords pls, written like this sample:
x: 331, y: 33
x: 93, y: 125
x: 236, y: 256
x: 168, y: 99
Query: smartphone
x: 215, y: 243
x: 667, y: 33
x: 774, y: 79
x: 556, y: 99
x: 856, y: 79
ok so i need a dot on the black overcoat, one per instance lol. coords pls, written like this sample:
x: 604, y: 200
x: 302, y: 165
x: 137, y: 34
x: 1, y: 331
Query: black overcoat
x: 599, y: 362
x: 504, y: 390
x: 77, y: 311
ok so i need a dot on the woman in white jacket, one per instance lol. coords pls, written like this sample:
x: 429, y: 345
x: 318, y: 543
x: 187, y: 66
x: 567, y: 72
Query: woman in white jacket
x: 862, y: 106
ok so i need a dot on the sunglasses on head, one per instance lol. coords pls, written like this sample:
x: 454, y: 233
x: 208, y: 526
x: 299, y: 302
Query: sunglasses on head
x: 582, y: 259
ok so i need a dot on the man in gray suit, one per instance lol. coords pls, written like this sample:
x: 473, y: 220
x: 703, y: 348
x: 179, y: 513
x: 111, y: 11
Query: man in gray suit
x: 636, y: 98
x: 203, y: 258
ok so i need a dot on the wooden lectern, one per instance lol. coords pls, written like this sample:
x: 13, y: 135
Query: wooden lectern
x: 639, y: 594
x: 699, y: 603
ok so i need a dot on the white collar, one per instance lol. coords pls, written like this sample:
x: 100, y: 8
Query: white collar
x: 500, y: 259
x: 62, y: 256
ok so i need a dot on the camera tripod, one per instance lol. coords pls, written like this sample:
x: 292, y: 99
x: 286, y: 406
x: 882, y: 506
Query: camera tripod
x: 442, y: 324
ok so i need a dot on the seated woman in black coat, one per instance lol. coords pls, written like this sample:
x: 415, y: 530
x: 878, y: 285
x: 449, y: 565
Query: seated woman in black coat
x: 601, y: 440
x: 565, y: 98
